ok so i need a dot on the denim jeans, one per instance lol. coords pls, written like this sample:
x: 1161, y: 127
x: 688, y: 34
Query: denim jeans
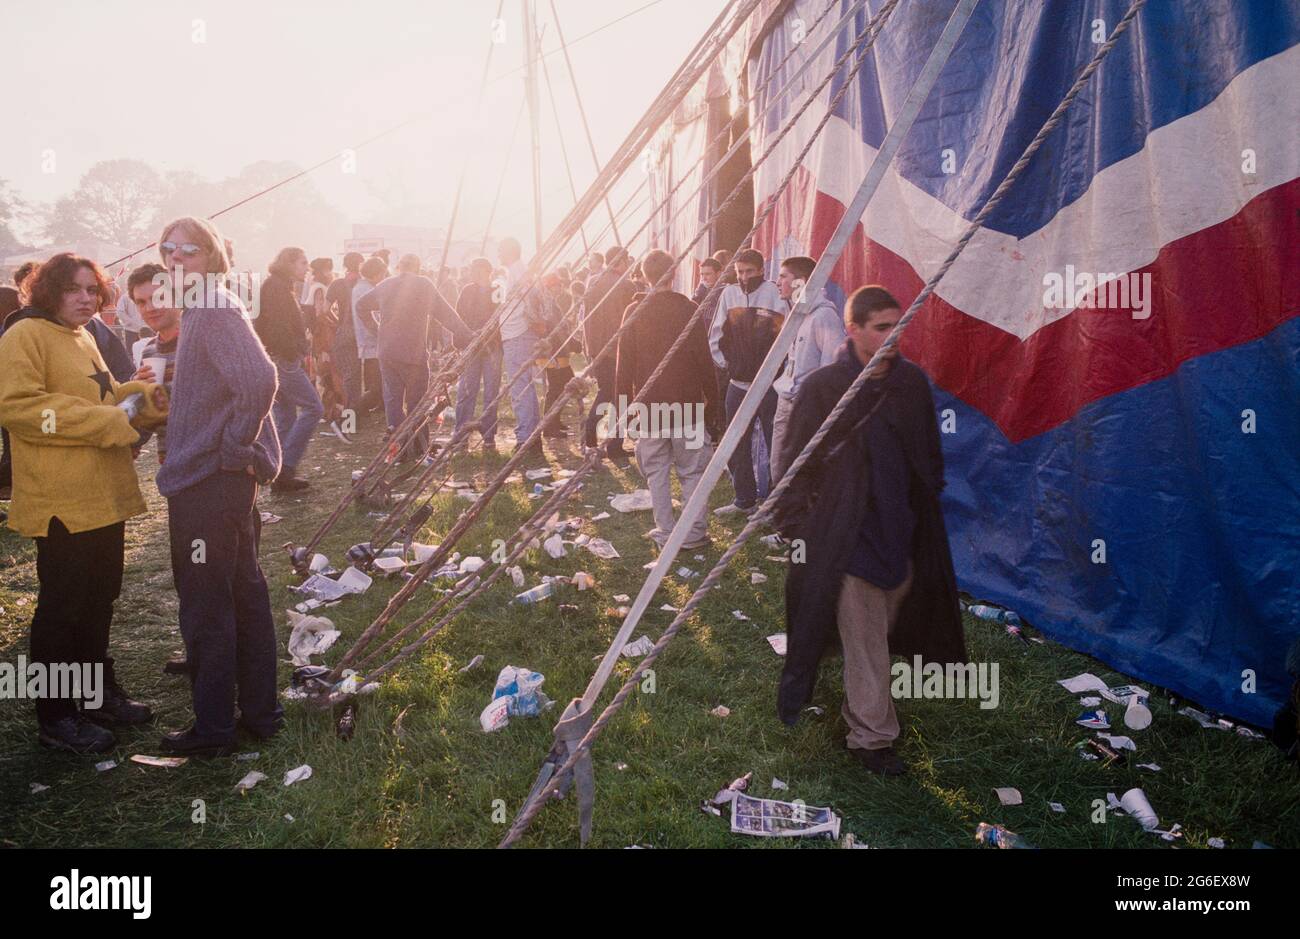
x: 523, y: 395
x: 296, y: 412
x: 404, y: 385
x: 483, y: 370
x: 741, y: 463
x: 225, y: 607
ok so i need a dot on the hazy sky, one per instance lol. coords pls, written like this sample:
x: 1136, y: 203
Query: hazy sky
x: 213, y: 86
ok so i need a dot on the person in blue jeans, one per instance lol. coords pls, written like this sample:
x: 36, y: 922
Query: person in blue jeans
x: 221, y: 446
x: 475, y: 306
x: 519, y: 341
x: 404, y: 307
x: 279, y: 324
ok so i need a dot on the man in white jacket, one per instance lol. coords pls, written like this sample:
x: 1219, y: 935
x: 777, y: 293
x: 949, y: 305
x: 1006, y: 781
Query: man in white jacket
x: 818, y: 341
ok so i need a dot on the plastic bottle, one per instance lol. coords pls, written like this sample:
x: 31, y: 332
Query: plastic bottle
x: 536, y: 594
x: 1007, y: 617
x: 999, y: 837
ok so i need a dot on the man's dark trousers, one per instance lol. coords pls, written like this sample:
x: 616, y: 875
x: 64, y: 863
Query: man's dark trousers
x: 741, y: 463
x: 604, y: 395
x: 225, y: 607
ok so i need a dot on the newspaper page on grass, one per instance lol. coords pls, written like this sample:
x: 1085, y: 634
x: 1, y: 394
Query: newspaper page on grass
x: 769, y: 818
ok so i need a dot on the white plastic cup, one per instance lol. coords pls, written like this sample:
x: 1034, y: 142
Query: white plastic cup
x: 1137, y: 716
x: 159, y: 365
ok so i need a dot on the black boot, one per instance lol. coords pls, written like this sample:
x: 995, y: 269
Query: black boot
x: 188, y: 743
x: 288, y: 482
x: 118, y: 708
x: 75, y: 734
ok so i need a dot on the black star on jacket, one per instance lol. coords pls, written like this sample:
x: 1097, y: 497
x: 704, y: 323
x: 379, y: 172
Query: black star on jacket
x: 103, y: 379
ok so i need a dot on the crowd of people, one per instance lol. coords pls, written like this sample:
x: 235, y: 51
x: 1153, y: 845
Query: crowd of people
x: 235, y: 398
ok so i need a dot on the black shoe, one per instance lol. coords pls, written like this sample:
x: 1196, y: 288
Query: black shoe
x: 285, y: 483
x: 118, y: 708
x: 619, y: 457
x: 188, y: 743
x: 177, y: 666
x: 76, y: 735
x: 259, y: 732
x: 884, y: 761
x: 532, y: 452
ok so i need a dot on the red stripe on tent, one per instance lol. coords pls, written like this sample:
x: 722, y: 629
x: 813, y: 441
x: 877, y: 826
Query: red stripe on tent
x: 1216, y: 288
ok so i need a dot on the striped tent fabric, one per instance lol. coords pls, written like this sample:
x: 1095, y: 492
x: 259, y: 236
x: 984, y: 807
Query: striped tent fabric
x: 1116, y: 355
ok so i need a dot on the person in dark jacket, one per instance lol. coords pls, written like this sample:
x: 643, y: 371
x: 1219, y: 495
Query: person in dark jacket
x: 677, y: 403
x: 876, y: 566
x: 608, y: 295
x: 279, y: 324
x: 475, y: 306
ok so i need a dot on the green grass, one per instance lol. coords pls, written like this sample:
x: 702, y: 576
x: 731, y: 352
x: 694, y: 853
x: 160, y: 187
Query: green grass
x: 439, y: 783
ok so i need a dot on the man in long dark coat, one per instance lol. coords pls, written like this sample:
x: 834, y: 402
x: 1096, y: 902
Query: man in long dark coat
x: 874, y: 570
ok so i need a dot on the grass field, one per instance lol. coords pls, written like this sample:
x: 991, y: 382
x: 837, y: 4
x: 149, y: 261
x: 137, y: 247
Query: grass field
x: 443, y: 782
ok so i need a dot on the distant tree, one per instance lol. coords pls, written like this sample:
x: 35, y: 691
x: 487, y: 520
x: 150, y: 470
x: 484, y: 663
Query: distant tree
x: 10, y: 208
x: 115, y: 201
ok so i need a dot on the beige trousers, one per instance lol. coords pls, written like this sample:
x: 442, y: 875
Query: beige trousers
x: 866, y: 614
x: 657, y: 458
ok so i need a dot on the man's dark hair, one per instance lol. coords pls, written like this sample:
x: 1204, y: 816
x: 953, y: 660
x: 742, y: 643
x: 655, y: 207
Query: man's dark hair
x: 655, y: 264
x: 617, y: 256
x: 712, y: 264
x: 868, y: 300
x: 750, y: 256
x: 144, y: 274
x: 722, y: 256
x: 373, y: 268
x: 352, y: 261
x: 800, y: 266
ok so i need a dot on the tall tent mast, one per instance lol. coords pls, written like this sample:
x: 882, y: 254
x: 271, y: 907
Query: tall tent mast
x: 534, y: 112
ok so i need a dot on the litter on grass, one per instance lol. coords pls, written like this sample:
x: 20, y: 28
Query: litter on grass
x: 778, y: 784
x: 1154, y: 767
x: 636, y: 501
x: 739, y: 615
x: 297, y: 775
x: 37, y: 787
x: 554, y: 546
x: 769, y: 818
x: 1135, y: 804
x: 622, y: 598
x: 777, y: 642
x: 270, y: 518
x: 162, y: 762
x: 601, y: 517
x: 758, y: 578
x: 1009, y: 795
x: 516, y: 574
x: 1056, y: 806
x: 583, y: 581
x: 516, y: 695
x: 249, y: 781
x: 642, y: 646
x: 721, y: 711
x: 473, y: 664
x: 105, y: 766
x: 601, y: 548
x: 310, y: 635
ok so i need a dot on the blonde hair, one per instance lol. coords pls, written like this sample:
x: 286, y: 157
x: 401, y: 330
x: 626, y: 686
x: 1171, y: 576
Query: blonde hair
x: 206, y: 236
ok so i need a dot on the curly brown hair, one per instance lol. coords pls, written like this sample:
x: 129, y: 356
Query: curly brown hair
x: 53, y: 278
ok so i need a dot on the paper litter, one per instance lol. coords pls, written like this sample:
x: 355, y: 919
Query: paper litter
x: 163, y: 762
x: 621, y: 598
x: 769, y: 818
x: 668, y: 607
x: 105, y: 766
x: 583, y: 581
x: 686, y: 573
x: 601, y: 517
x: 739, y: 615
x: 297, y: 775
x: 1009, y: 795
x: 516, y: 574
x: 1118, y: 742
x: 777, y: 642
x: 37, y: 787
x: 778, y: 784
x: 270, y: 518
x: 601, y: 548
x: 1056, y: 806
x: 538, y: 473
x: 249, y: 781
x: 554, y: 546
x: 310, y: 635
x: 642, y: 646
x: 1085, y: 681
x: 721, y: 711
x: 636, y: 501
x: 758, y: 578
x: 473, y: 664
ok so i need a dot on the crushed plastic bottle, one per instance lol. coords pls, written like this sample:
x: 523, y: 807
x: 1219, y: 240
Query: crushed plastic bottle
x: 536, y: 594
x: 994, y: 614
x: 999, y: 836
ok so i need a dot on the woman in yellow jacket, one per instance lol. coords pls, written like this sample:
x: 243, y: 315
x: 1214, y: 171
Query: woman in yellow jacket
x: 74, y: 487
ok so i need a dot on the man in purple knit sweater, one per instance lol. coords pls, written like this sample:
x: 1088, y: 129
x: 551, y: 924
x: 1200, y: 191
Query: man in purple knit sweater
x: 221, y: 444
